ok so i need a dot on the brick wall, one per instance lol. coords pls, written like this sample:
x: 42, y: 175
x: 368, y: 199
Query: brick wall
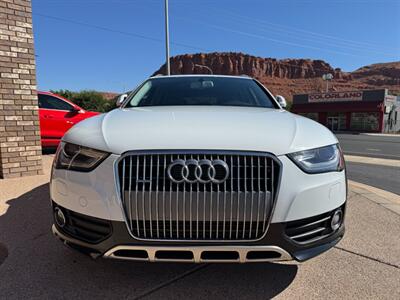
x: 20, y: 149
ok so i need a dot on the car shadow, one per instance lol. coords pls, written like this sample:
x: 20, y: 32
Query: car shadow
x: 33, y: 263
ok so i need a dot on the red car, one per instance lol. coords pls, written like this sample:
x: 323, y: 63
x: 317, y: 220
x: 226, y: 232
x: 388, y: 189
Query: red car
x: 57, y: 115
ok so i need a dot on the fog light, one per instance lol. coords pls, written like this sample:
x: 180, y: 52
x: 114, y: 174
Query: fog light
x: 337, y: 219
x: 59, y: 217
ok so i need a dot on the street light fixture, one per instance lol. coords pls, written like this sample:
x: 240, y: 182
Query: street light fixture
x: 327, y: 77
x: 206, y: 67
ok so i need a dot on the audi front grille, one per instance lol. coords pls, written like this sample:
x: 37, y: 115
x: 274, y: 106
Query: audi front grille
x: 198, y: 195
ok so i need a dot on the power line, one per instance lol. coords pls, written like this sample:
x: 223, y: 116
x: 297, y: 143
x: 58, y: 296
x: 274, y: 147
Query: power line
x: 349, y: 44
x: 315, y: 39
x: 141, y: 36
x: 258, y: 36
x: 290, y: 29
x: 309, y: 32
x: 213, y: 1
x: 136, y: 35
x: 146, y: 37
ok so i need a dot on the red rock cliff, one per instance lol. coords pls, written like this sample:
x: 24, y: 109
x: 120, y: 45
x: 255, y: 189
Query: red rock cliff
x: 288, y: 76
x: 243, y: 64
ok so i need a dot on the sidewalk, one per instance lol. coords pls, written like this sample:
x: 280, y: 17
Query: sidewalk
x: 384, y: 198
x: 372, y: 160
x: 367, y: 133
x: 382, y: 134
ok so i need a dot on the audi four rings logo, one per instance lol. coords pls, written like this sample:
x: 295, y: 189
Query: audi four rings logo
x: 202, y: 171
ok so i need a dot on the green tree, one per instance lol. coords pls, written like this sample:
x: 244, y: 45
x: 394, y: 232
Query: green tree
x: 88, y: 99
x: 289, y: 105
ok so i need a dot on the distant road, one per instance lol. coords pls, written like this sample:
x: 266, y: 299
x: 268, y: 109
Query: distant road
x: 370, y: 145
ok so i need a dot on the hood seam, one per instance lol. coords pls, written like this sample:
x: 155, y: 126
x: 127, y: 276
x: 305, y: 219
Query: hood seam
x: 294, y: 133
x: 102, y: 131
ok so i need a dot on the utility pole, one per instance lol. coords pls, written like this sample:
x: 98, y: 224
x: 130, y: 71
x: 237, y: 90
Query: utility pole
x: 167, y: 39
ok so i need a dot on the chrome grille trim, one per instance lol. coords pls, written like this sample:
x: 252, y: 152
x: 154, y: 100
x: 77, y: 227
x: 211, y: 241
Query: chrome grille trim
x: 197, y: 251
x: 161, y: 226
x: 319, y: 229
x: 310, y: 230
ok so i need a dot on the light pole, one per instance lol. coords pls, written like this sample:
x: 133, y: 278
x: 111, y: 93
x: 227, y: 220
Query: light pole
x: 167, y: 38
x: 206, y: 67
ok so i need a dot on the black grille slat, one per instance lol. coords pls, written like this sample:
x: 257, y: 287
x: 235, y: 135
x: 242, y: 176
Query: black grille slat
x: 86, y: 228
x: 87, y: 234
x: 237, y: 209
x: 90, y: 226
x: 309, y: 230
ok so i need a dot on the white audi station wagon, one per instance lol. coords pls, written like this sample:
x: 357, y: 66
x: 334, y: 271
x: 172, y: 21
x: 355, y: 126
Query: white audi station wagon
x: 199, y: 168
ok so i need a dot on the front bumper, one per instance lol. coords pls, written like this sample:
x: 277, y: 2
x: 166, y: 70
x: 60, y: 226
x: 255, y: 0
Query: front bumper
x: 275, y: 246
x: 301, y: 198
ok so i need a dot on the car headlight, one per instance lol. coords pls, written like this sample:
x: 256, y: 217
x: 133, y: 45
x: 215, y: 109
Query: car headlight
x: 78, y: 158
x: 319, y: 160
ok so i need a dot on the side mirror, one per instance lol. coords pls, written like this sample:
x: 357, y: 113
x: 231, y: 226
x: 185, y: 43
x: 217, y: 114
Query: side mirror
x: 121, y: 99
x: 281, y: 100
x: 74, y: 110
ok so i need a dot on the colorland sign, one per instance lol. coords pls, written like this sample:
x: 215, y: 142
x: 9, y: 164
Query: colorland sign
x: 335, y: 97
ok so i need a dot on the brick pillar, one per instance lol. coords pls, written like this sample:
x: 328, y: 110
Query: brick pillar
x: 20, y: 149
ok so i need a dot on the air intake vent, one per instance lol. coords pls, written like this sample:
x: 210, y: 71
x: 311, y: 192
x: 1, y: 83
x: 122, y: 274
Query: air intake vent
x: 311, y: 229
x: 85, y: 228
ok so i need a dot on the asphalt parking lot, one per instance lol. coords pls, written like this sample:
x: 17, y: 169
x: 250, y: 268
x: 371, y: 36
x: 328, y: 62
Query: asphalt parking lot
x: 33, y: 264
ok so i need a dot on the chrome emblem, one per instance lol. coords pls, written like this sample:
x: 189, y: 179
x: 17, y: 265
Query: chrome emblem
x: 202, y: 171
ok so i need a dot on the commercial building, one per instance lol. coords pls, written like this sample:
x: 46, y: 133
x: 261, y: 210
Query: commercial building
x: 361, y: 111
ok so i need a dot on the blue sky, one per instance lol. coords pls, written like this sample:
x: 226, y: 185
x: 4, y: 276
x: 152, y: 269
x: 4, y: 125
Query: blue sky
x: 113, y: 45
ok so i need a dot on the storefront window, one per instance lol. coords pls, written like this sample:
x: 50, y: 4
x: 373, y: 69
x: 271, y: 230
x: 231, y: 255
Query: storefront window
x: 312, y: 116
x: 336, y: 121
x: 365, y: 121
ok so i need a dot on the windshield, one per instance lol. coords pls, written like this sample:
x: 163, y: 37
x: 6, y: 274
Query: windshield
x: 197, y: 90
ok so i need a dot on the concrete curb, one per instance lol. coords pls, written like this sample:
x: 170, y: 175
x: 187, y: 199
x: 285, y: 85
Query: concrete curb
x: 381, y: 134
x: 384, y: 198
x: 373, y: 160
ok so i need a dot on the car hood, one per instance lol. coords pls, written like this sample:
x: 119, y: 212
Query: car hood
x: 200, y: 127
